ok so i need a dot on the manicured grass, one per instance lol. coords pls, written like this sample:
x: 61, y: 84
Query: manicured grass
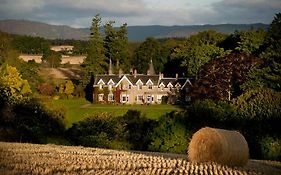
x: 79, y: 109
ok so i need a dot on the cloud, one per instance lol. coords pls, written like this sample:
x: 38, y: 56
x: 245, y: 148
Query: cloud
x: 141, y: 12
x: 18, y: 7
x: 250, y: 11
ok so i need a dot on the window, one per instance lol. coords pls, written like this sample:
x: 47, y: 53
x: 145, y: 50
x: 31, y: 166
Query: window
x: 130, y: 86
x: 124, y: 98
x: 150, y: 86
x: 140, y: 98
x: 100, y: 97
x: 149, y: 98
x: 110, y: 87
x: 159, y: 98
x: 110, y: 97
x: 139, y: 87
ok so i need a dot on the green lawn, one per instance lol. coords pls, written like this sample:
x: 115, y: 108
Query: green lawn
x: 79, y: 109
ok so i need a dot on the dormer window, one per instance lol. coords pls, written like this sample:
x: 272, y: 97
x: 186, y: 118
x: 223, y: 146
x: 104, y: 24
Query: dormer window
x: 139, y: 84
x: 149, y: 84
x: 162, y: 86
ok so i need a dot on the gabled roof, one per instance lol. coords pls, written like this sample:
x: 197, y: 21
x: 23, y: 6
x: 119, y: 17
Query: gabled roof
x: 143, y: 78
x: 106, y: 79
x: 133, y: 79
x: 124, y: 77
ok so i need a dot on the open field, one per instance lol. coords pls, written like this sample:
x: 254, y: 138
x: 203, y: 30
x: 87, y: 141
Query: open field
x: 65, y: 59
x: 19, y: 158
x: 79, y: 109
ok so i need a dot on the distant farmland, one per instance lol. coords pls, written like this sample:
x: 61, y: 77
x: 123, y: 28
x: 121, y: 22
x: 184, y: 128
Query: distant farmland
x: 65, y: 59
x: 19, y: 158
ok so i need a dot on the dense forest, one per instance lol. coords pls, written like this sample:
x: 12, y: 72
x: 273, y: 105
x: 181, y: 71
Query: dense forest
x: 236, y: 83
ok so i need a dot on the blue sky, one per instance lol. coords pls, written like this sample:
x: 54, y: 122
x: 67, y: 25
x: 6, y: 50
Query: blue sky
x: 78, y: 13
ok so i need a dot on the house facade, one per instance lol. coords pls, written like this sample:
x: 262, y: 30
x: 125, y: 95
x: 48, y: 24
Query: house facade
x: 138, y: 88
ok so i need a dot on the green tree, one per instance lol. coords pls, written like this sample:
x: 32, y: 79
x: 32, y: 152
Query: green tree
x: 69, y: 88
x: 7, y: 53
x: 267, y: 77
x: 12, y: 87
x: 116, y: 45
x: 51, y: 58
x: 199, y: 49
x: 150, y: 49
x: 272, y: 51
x: 95, y: 62
x: 250, y: 41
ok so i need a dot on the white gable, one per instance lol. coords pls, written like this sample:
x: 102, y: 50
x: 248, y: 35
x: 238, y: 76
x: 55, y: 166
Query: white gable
x: 177, y: 85
x: 139, y: 82
x: 170, y: 85
x: 124, y: 78
x: 162, y: 84
x: 149, y: 82
x: 186, y: 82
x: 110, y: 82
x: 101, y: 82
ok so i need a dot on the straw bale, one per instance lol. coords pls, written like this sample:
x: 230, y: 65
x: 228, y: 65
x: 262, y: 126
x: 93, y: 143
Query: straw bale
x: 217, y: 145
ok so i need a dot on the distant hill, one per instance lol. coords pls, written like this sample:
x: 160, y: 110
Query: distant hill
x: 135, y: 33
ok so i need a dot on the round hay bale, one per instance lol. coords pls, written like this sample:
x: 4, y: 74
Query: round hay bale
x: 217, y: 145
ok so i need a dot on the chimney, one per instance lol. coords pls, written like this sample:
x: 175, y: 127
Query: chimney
x: 161, y: 76
x: 120, y: 72
x: 135, y: 73
x: 110, y: 68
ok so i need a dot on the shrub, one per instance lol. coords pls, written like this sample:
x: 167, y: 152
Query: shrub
x: 33, y: 122
x: 46, y: 89
x: 259, y: 104
x: 271, y: 148
x: 170, y: 135
x: 97, y: 131
x: 137, y: 129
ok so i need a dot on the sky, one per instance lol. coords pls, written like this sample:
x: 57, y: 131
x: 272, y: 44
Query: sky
x: 79, y: 13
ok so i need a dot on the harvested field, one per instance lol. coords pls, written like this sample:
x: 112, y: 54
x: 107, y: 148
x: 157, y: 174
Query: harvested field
x: 17, y: 158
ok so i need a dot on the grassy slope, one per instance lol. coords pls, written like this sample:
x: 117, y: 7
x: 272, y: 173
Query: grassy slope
x: 79, y: 109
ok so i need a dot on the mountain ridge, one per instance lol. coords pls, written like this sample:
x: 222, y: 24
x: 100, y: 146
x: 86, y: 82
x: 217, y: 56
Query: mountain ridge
x: 135, y: 33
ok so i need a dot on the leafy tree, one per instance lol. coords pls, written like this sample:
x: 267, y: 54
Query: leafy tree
x: 95, y: 62
x: 272, y: 51
x: 51, y: 58
x: 12, y: 87
x: 150, y: 49
x: 170, y: 135
x: 30, y: 45
x: 250, y: 41
x: 69, y: 88
x: 7, y: 53
x: 116, y: 45
x: 267, y: 77
x: 220, y: 78
x: 199, y: 49
x: 259, y: 103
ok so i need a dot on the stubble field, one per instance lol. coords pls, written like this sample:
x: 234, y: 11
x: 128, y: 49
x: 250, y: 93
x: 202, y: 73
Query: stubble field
x: 19, y: 158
